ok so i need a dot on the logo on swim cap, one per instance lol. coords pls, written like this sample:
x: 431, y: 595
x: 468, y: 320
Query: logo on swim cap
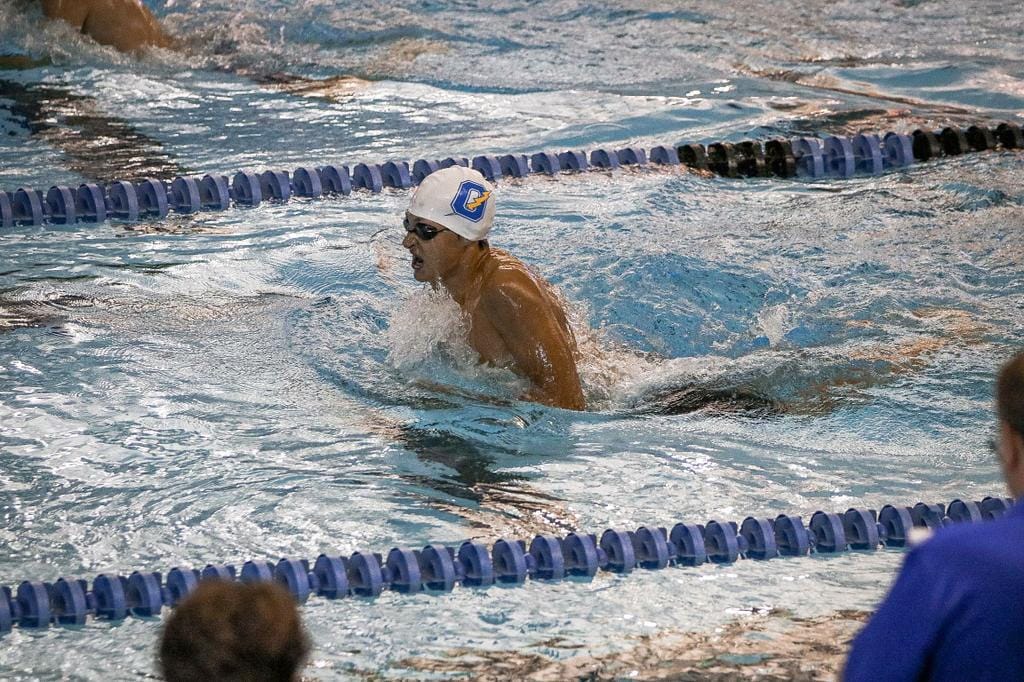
x: 470, y: 201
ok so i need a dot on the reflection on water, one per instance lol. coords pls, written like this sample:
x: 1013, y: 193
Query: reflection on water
x: 494, y: 504
x: 96, y: 145
x: 763, y: 645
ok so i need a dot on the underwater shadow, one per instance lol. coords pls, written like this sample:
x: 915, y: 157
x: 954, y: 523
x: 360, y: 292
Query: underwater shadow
x: 98, y: 146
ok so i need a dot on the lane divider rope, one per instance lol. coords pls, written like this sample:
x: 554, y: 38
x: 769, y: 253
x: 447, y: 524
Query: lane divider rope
x: 439, y: 568
x: 805, y: 157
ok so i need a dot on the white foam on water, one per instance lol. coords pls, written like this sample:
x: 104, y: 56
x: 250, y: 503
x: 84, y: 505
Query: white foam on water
x: 424, y: 324
x: 774, y: 321
x: 428, y: 343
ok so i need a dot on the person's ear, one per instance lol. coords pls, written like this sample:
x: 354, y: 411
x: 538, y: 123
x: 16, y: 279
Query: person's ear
x: 1013, y: 448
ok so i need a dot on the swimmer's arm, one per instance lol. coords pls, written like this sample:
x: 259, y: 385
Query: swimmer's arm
x: 537, y: 343
x: 69, y: 10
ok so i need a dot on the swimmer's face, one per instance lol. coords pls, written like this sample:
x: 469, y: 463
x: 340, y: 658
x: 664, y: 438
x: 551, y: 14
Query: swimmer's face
x: 435, y: 250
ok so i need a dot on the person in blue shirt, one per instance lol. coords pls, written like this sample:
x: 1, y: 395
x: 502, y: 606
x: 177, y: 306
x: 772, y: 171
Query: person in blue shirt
x: 956, y: 610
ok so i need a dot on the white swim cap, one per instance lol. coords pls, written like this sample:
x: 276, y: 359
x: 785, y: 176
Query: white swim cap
x: 458, y: 198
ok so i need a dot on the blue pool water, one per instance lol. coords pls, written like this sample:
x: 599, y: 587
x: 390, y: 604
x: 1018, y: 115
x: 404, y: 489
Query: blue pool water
x: 272, y: 382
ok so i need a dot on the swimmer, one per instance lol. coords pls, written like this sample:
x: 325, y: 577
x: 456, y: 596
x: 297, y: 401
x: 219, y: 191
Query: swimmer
x: 514, y: 318
x: 125, y: 25
x: 128, y: 26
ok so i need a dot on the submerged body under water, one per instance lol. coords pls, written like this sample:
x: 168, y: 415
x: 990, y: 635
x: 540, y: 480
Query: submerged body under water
x: 272, y: 382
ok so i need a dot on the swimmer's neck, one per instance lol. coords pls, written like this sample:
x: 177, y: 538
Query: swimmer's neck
x: 464, y: 279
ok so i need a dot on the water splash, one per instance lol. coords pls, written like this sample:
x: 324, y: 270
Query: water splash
x: 428, y: 343
x: 427, y: 324
x: 774, y: 322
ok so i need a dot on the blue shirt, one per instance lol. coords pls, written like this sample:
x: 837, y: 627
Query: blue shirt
x: 955, y: 612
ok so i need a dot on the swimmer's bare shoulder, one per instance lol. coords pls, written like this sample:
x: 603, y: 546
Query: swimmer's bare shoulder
x: 531, y: 322
x: 123, y: 24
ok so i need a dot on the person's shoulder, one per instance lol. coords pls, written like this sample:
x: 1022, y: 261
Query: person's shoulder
x: 967, y: 543
x: 509, y: 278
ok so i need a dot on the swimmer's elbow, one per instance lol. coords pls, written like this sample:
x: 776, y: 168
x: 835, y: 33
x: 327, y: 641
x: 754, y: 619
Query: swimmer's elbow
x: 556, y: 382
x: 577, y: 404
x: 566, y: 399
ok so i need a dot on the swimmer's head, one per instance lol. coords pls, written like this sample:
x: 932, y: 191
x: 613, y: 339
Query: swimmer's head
x: 436, y: 251
x: 457, y: 198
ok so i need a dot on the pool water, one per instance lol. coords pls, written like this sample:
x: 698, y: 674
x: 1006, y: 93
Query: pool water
x: 271, y: 382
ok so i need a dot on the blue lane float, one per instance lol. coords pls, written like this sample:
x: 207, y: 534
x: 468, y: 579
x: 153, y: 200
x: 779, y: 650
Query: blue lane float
x: 184, y: 195
x: 60, y: 205
x: 838, y: 153
x: 152, y: 195
x: 422, y: 168
x: 514, y: 165
x: 488, y: 166
x: 246, y: 189
x: 454, y: 161
x: 396, y: 174
x: 511, y: 562
x: 26, y: 206
x: 546, y: 163
x: 306, y: 183
x: 275, y: 186
x: 809, y: 156
x: 335, y: 180
x: 664, y: 156
x: 602, y: 158
x: 575, y: 161
x: 367, y: 176
x: 867, y: 154
x: 123, y: 201
x: 804, y: 157
x: 214, y: 193
x: 632, y: 156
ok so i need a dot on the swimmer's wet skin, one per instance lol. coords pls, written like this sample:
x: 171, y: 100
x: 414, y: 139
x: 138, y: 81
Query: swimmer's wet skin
x: 128, y: 26
x: 123, y: 24
x: 514, y: 319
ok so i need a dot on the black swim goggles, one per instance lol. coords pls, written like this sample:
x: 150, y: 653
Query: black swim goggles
x: 423, y: 230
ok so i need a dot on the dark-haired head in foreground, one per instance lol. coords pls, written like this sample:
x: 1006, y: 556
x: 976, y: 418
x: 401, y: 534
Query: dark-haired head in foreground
x: 231, y: 632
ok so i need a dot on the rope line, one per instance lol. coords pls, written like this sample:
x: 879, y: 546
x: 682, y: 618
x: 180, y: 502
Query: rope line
x: 439, y: 568
x: 803, y: 157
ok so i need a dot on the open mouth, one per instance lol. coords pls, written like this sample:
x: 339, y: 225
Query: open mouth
x: 417, y: 262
